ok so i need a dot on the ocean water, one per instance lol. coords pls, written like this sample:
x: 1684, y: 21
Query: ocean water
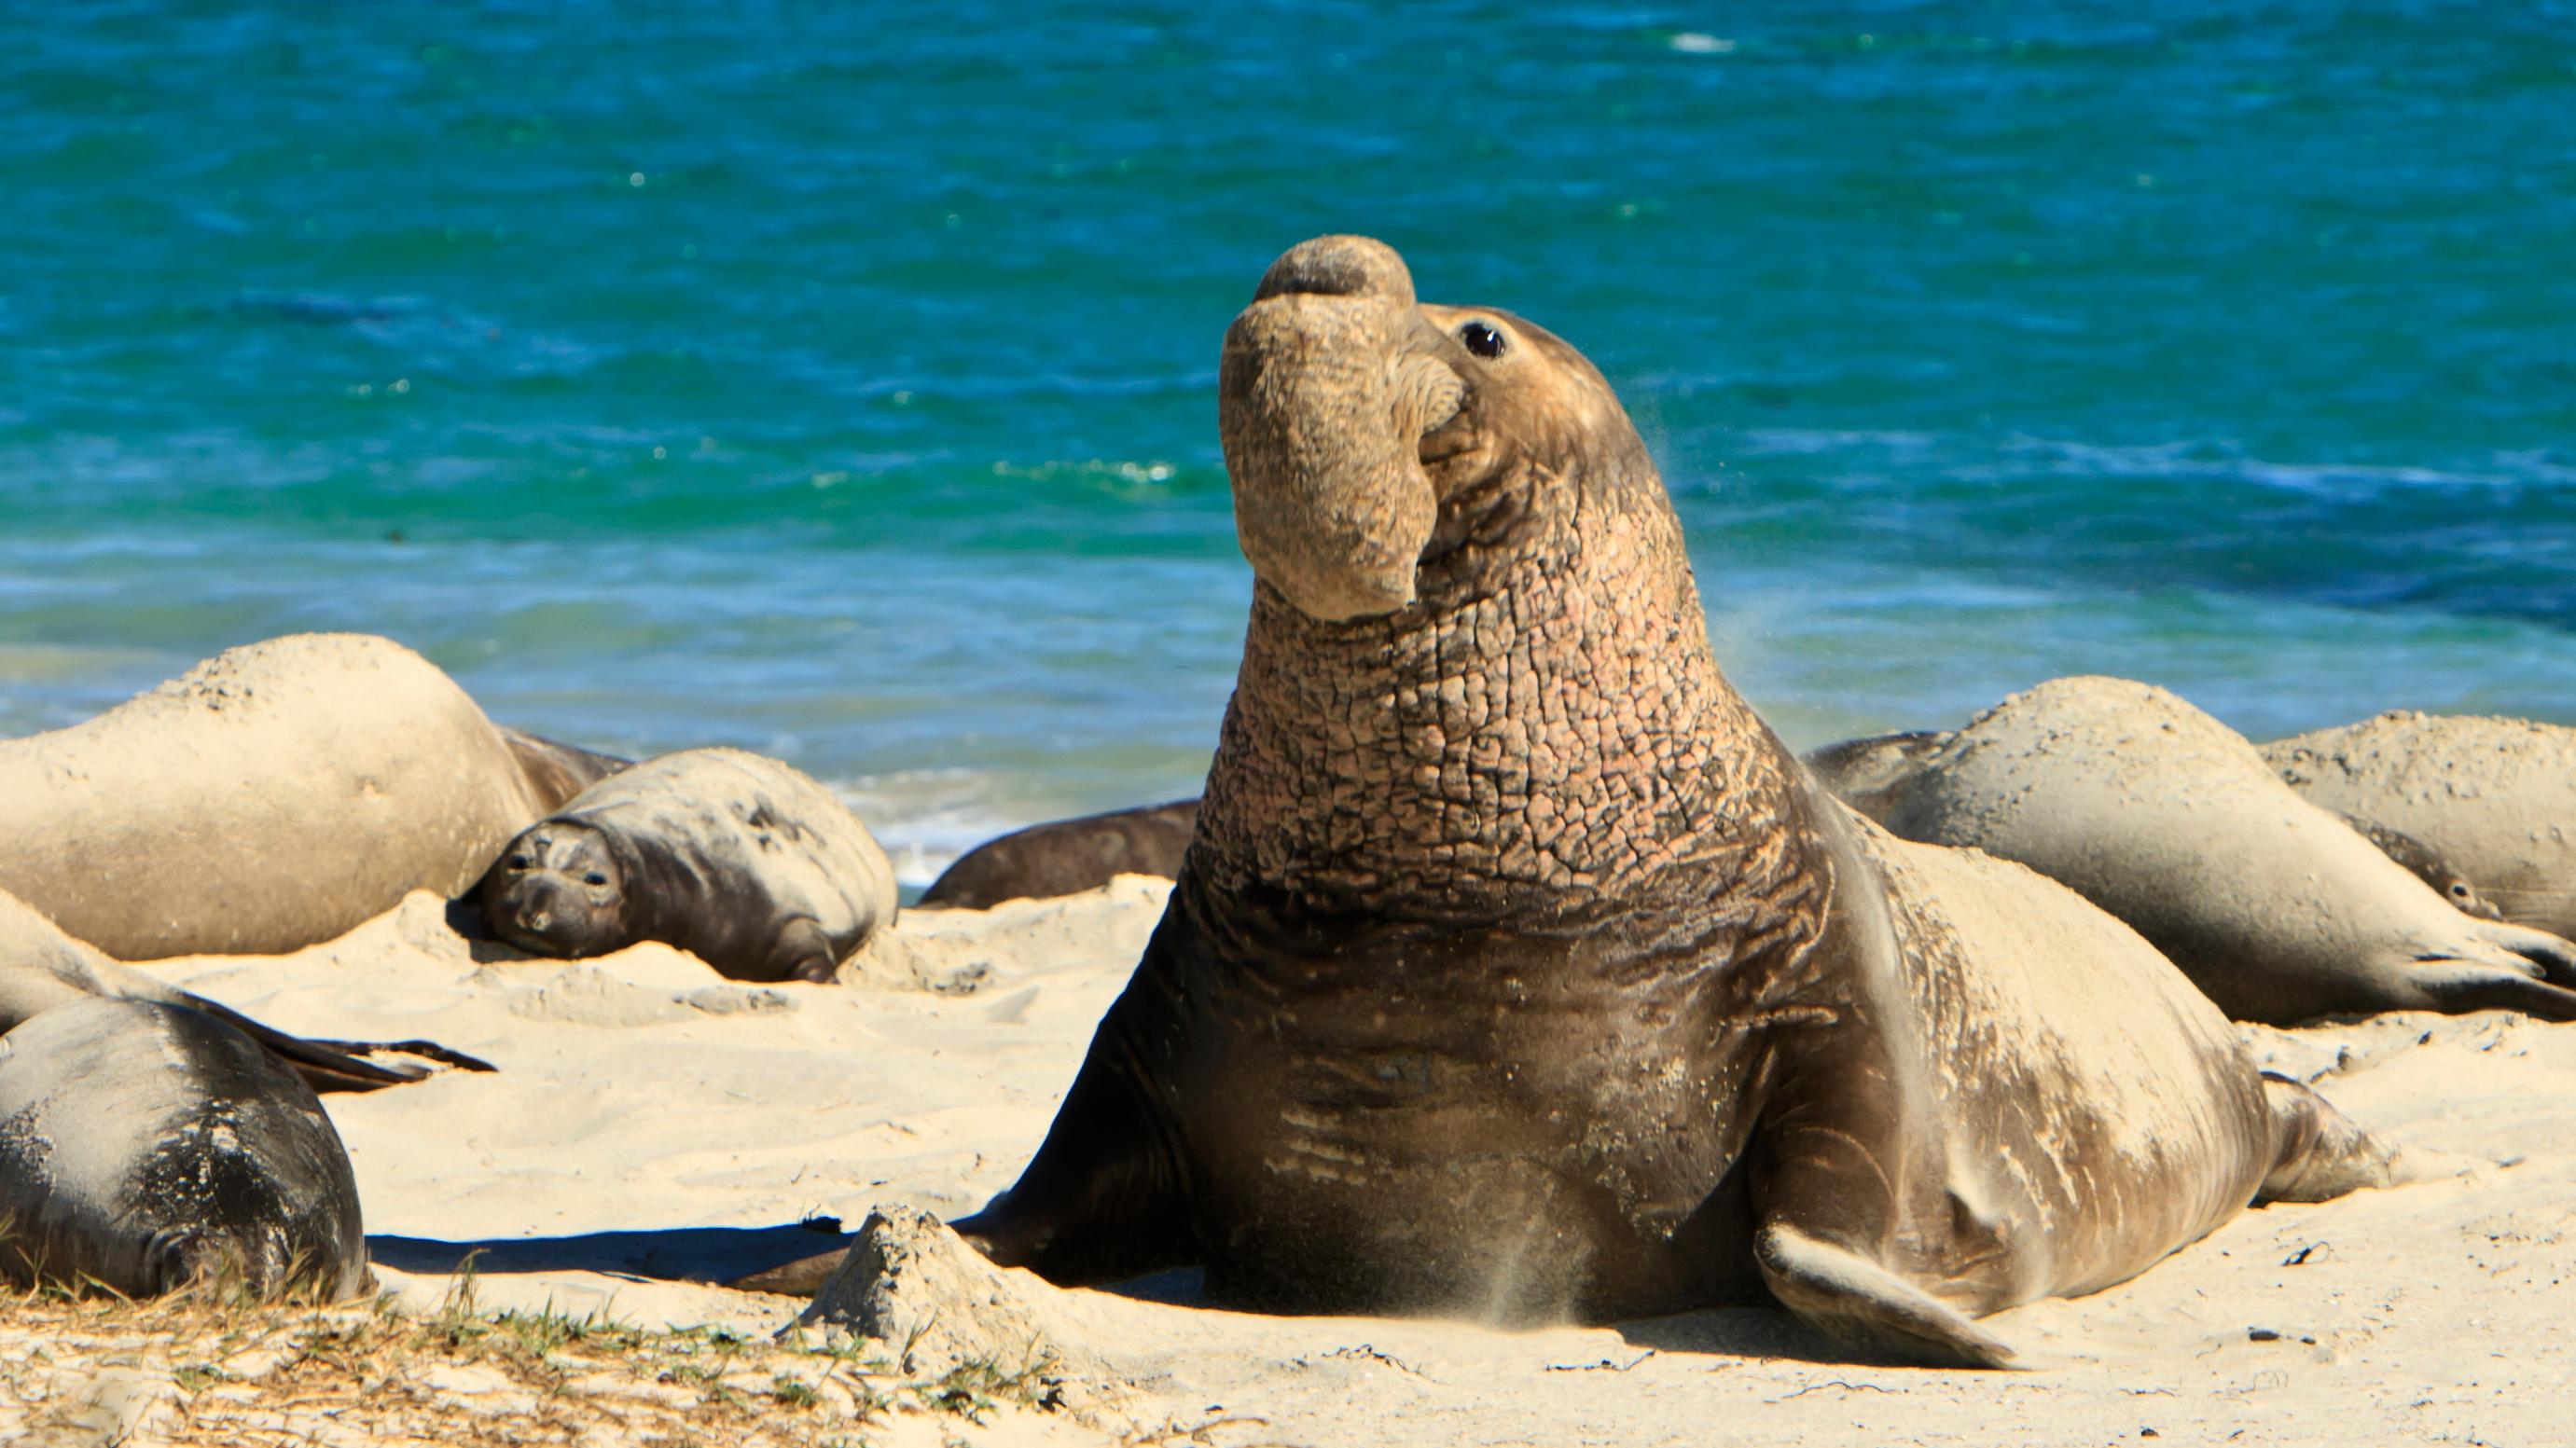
x: 839, y: 381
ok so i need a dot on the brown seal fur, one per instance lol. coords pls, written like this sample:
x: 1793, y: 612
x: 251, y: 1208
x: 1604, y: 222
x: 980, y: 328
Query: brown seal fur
x: 1066, y: 857
x: 275, y: 796
x: 557, y: 772
x: 1517, y: 970
x: 740, y: 860
x: 2168, y: 819
x: 2494, y: 797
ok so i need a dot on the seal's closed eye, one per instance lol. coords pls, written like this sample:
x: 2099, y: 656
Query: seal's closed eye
x: 1482, y: 339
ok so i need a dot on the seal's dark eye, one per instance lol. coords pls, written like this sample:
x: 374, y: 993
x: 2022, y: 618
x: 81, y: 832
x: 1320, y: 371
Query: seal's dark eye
x: 2461, y: 890
x: 1482, y: 340
x: 520, y: 862
x: 594, y: 878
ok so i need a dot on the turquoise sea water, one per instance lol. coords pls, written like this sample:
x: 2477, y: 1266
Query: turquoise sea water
x: 839, y: 383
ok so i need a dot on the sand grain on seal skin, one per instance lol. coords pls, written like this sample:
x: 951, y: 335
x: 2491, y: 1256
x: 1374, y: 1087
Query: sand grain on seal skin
x: 147, y: 1146
x: 2495, y: 797
x: 274, y: 796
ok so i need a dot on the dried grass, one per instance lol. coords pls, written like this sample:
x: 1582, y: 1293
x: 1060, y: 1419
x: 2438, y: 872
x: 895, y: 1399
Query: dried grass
x: 208, y: 1367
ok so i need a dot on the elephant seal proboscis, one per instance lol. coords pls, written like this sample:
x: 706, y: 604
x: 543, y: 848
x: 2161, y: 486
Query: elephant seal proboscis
x: 1872, y: 775
x: 1066, y: 857
x: 738, y: 859
x: 41, y: 968
x: 275, y: 796
x: 2171, y: 821
x: 2495, y: 798
x: 147, y: 1146
x: 1518, y: 971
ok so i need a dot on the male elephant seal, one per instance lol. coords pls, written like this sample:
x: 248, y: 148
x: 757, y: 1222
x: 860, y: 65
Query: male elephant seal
x: 146, y: 1146
x: 41, y: 968
x: 2494, y: 797
x: 1516, y: 969
x: 275, y: 796
x: 739, y: 860
x: 1066, y: 857
x: 2169, y: 820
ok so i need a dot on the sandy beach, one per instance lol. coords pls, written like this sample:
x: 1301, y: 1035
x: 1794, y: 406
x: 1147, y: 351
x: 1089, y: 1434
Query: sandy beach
x: 652, y: 1121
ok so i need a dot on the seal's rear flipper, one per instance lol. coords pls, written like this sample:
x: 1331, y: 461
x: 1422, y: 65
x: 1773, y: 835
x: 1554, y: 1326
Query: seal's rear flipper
x: 801, y: 1278
x: 1857, y: 1301
x: 2317, y: 1152
x: 1871, y: 775
x: 337, y: 1065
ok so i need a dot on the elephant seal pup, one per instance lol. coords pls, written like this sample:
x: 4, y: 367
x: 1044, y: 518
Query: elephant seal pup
x: 1518, y: 971
x: 278, y: 795
x: 557, y: 772
x: 1872, y: 774
x: 2494, y: 797
x: 2171, y: 821
x: 741, y: 861
x: 146, y: 1146
x: 1067, y: 857
x: 41, y: 968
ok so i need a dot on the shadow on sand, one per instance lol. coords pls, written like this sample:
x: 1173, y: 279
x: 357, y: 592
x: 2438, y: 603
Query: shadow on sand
x: 682, y: 1254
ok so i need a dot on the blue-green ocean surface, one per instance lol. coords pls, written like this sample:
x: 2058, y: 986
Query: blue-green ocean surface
x: 839, y: 381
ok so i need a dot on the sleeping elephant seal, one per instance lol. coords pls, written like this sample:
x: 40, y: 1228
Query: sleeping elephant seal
x: 741, y: 861
x: 1872, y: 775
x: 146, y: 1146
x: 278, y: 795
x: 1518, y: 971
x: 2494, y: 797
x: 1067, y: 857
x: 557, y: 772
x: 41, y: 968
x: 2172, y: 822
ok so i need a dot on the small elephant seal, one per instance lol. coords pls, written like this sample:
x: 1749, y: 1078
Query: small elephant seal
x: 278, y: 795
x: 1870, y: 775
x: 41, y: 968
x: 2494, y: 797
x: 2171, y: 821
x: 741, y: 861
x: 1518, y: 971
x: 557, y: 772
x: 1067, y: 857
x: 145, y: 1147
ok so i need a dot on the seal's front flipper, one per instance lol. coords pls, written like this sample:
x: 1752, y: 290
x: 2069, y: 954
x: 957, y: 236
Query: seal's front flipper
x: 2317, y: 1152
x: 803, y: 952
x: 2461, y: 986
x: 1857, y: 1301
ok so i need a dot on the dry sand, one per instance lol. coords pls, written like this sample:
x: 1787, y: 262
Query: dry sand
x: 651, y: 1119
